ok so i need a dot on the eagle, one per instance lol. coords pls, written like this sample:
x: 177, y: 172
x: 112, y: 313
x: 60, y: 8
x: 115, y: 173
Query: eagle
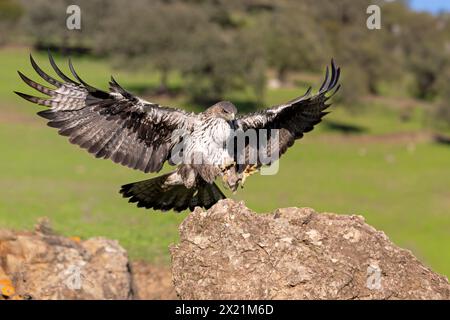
x: 143, y: 135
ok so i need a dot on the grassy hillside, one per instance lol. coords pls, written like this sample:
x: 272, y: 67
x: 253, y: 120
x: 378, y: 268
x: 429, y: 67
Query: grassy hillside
x: 400, y: 187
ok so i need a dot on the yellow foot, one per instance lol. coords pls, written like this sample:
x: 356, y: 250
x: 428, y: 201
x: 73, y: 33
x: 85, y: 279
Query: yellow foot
x: 225, y: 180
x: 249, y: 170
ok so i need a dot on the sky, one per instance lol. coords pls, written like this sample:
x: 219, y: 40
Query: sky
x: 433, y: 6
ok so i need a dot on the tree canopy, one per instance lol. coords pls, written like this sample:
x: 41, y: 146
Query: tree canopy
x: 221, y: 46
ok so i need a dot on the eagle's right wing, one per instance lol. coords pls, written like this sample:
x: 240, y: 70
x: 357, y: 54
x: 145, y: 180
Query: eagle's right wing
x: 115, y: 124
x: 296, y: 117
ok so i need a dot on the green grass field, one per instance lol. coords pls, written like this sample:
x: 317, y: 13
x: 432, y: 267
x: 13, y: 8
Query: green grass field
x: 400, y: 188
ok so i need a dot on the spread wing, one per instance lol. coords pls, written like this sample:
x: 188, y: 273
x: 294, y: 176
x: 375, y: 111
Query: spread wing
x: 296, y: 117
x: 113, y: 125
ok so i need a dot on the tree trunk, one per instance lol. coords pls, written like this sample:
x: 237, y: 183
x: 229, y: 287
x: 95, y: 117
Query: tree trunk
x: 282, y: 74
x: 163, y: 84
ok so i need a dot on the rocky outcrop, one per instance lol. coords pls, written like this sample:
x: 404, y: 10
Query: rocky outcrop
x: 227, y: 252
x: 230, y: 252
x: 43, y: 265
x: 152, y: 282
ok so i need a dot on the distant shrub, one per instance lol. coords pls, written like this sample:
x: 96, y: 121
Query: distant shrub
x: 10, y: 13
x: 354, y: 87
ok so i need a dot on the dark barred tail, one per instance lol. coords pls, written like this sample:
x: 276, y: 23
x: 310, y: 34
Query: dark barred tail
x: 155, y: 194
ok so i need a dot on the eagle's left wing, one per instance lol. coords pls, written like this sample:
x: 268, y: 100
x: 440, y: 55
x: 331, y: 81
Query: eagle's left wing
x: 296, y: 117
x: 113, y: 125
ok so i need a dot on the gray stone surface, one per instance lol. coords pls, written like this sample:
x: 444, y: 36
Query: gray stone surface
x: 230, y: 252
x: 42, y: 265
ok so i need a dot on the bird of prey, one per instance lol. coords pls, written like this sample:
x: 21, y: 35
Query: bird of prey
x: 120, y: 126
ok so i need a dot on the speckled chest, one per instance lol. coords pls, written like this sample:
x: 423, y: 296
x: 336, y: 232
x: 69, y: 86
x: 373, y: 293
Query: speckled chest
x: 209, y: 138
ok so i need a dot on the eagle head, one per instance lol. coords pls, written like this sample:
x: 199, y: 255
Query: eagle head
x: 223, y: 109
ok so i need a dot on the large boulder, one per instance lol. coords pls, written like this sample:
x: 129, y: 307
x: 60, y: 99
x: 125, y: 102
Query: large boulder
x: 152, y: 281
x: 43, y: 265
x: 230, y: 252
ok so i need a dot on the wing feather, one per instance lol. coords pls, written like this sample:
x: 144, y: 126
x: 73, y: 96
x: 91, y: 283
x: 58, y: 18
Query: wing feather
x: 115, y: 124
x: 297, y: 116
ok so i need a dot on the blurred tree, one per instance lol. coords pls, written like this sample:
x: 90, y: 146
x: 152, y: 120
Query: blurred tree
x: 440, y: 113
x: 10, y: 13
x: 214, y: 56
x: 423, y: 38
x: 222, y: 46
x: 354, y: 87
x: 45, y: 21
x: 228, y: 61
x: 294, y: 41
x: 372, y: 51
x: 159, y: 36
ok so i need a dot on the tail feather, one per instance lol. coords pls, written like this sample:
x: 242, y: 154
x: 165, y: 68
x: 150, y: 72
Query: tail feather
x: 155, y: 194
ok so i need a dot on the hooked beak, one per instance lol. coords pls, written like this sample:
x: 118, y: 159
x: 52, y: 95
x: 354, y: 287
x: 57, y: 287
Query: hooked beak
x: 231, y: 116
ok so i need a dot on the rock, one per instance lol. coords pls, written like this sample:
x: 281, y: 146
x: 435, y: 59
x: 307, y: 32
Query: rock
x: 152, y: 282
x: 230, y: 252
x: 43, y: 265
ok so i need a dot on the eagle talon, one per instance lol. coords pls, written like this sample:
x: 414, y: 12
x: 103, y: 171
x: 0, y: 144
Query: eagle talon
x: 231, y: 178
x: 249, y: 170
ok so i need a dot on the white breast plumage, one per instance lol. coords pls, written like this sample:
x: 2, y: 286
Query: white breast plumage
x: 207, y: 143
